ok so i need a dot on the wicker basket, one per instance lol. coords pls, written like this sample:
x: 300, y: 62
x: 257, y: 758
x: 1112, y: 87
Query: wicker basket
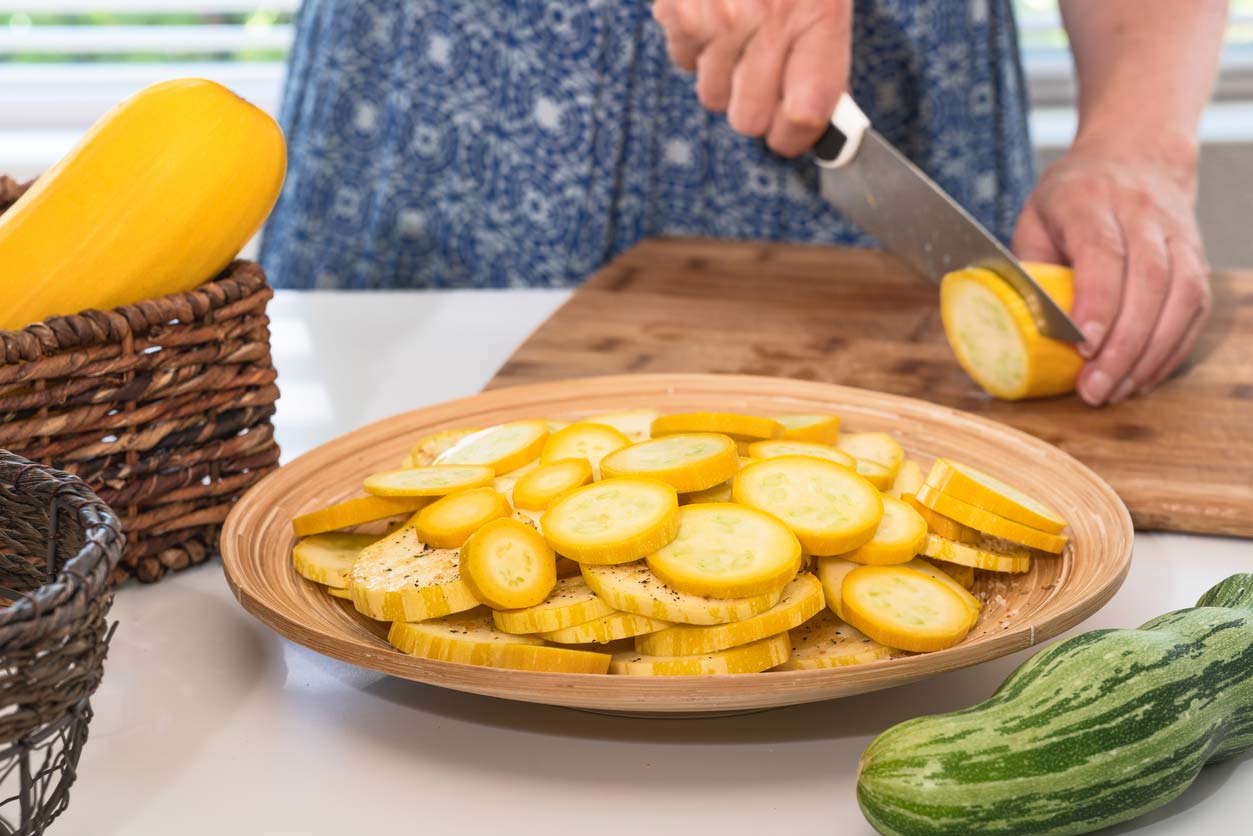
x: 58, y: 545
x: 162, y: 407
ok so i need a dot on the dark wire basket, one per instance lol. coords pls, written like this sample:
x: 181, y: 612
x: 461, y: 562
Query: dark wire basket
x: 58, y: 544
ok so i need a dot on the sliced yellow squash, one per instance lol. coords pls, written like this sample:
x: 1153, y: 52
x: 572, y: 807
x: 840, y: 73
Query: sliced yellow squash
x: 541, y: 487
x: 963, y: 575
x: 724, y: 550
x: 429, y: 448
x: 823, y: 429
x: 435, y: 480
x: 632, y: 587
x: 400, y: 578
x: 904, y: 609
x: 908, y: 479
x: 739, y: 427
x: 408, y: 461
x: 571, y: 602
x: 825, y: 641
x: 830, y: 509
x: 606, y: 629
x: 584, y: 440
x: 901, y: 534
x: 977, y: 488
x: 996, y: 340
x: 357, y: 511
x: 802, y: 599
x: 988, y: 555
x: 720, y: 492
x: 876, y: 474
x: 508, y: 565
x: 336, y: 592
x: 635, y: 424
x: 613, y: 521
x: 448, y: 522
x: 328, y: 558
x: 688, y: 461
x: 991, y: 524
x: 503, y: 448
x: 773, y: 449
x: 470, y: 639
x: 747, y: 658
x: 879, y: 448
x: 831, y: 572
x: 949, y: 529
x: 934, y: 570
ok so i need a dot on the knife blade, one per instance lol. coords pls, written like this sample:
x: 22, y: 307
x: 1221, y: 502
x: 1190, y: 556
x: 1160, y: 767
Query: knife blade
x: 885, y: 194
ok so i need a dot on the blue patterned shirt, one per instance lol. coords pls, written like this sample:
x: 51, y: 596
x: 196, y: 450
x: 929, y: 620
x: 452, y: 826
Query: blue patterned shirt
x: 526, y: 142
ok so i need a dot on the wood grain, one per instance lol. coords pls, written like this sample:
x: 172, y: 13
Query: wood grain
x: 1022, y: 610
x: 1182, y: 459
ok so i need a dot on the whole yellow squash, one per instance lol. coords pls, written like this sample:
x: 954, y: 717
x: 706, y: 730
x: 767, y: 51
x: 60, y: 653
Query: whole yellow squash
x: 156, y: 198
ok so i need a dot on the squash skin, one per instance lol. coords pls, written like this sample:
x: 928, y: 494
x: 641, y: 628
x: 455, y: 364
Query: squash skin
x: 1089, y: 732
x: 156, y: 198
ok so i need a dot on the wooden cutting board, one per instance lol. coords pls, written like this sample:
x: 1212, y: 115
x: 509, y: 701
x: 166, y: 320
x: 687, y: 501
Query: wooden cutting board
x: 1182, y: 458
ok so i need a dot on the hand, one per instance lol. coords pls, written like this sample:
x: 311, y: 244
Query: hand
x: 776, y: 67
x: 1126, y: 225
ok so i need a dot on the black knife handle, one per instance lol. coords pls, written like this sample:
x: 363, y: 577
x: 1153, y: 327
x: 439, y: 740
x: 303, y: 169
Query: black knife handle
x: 840, y: 141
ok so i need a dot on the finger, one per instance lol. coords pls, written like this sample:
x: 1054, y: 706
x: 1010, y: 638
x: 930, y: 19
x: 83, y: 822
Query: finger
x: 1182, y: 351
x: 681, y: 21
x: 756, y: 81
x: 1146, y: 283
x: 815, y: 74
x: 716, y: 65
x: 1092, y: 240
x: 1185, y: 300
x: 1032, y: 241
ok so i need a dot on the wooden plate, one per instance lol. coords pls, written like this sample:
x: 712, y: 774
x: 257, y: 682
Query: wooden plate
x: 1022, y: 610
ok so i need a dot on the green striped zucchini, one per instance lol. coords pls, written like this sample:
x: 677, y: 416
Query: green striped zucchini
x: 1091, y: 731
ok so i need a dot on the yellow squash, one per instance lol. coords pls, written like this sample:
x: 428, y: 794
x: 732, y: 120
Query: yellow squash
x: 996, y: 340
x: 157, y: 198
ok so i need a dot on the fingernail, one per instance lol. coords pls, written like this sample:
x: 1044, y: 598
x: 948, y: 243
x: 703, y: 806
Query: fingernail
x: 1093, y: 333
x: 1096, y: 388
x: 1124, y: 389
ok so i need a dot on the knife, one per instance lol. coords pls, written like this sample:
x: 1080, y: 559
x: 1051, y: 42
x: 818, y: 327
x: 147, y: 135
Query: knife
x: 872, y: 183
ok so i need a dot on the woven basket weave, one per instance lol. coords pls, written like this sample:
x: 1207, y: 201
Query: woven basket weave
x: 58, y: 546
x: 162, y: 407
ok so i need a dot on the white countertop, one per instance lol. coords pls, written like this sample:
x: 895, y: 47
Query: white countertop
x: 208, y: 723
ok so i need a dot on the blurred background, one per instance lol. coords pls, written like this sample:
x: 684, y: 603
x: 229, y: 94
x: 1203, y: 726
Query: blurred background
x: 64, y: 62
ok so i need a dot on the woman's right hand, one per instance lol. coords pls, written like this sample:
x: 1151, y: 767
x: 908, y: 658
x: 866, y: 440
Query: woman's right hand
x: 776, y: 67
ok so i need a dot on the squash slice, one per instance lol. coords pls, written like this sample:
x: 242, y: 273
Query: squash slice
x: 879, y: 448
x: 503, y: 448
x: 428, y: 448
x: 606, y: 629
x: 823, y: 429
x: 363, y: 509
x: 687, y: 461
x: 908, y: 479
x: 720, y: 492
x: 470, y: 639
x: 831, y: 572
x: 508, y: 565
x: 738, y: 427
x: 613, y: 521
x: 584, y: 440
x: 328, y: 558
x: 773, y: 449
x: 335, y: 592
x: 571, y: 602
x: 747, y: 658
x: 436, y: 480
x: 830, y: 509
x: 938, y: 571
x: 724, y: 550
x: 995, y: 338
x: 544, y: 485
x: 991, y: 524
x: 447, y: 523
x: 963, y: 575
x: 802, y: 599
x: 635, y: 424
x: 904, y: 609
x: 947, y: 528
x: 977, y: 488
x: 901, y: 534
x: 632, y: 587
x: 825, y: 641
x: 989, y: 556
x: 400, y: 578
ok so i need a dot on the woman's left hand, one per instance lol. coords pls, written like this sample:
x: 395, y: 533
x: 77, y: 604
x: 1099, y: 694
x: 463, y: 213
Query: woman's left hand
x: 1126, y: 225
